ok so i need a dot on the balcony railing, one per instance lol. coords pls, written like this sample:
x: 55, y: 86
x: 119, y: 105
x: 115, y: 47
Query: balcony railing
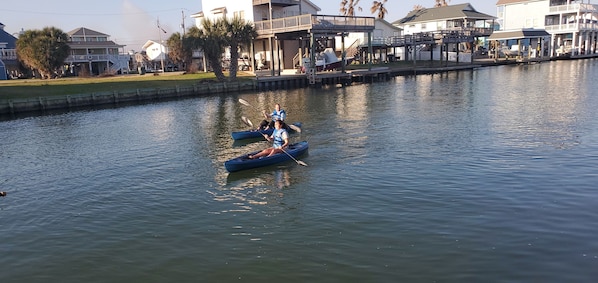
x: 8, y: 54
x: 97, y: 58
x: 276, y: 2
x: 571, y: 27
x: 573, y: 8
x: 473, y: 31
x: 315, y: 23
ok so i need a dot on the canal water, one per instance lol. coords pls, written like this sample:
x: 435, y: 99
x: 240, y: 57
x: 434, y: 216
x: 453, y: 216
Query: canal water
x: 489, y: 175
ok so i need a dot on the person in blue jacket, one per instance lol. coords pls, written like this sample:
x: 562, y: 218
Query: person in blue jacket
x: 277, y: 114
x: 279, y: 139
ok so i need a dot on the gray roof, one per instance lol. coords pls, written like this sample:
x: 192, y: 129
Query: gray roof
x: 460, y: 11
x: 85, y: 32
x: 93, y: 44
x: 518, y: 34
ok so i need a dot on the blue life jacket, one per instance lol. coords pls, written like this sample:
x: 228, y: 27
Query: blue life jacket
x: 279, y: 115
x: 279, y: 136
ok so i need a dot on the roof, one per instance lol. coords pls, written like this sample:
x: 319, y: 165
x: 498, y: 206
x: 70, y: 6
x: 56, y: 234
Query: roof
x: 518, y: 34
x: 150, y: 43
x: 93, y: 44
x: 386, y: 23
x: 313, y: 5
x: 460, y: 11
x: 85, y: 32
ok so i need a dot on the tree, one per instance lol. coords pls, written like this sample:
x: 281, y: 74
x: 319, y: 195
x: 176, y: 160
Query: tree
x: 378, y: 6
x: 348, y: 7
x: 239, y: 33
x: 43, y: 50
x: 211, y: 39
x: 179, y: 51
x: 441, y: 3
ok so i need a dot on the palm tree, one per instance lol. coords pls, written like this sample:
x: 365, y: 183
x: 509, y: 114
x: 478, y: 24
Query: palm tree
x: 441, y: 3
x: 239, y: 33
x: 378, y: 6
x: 211, y: 39
x: 348, y: 7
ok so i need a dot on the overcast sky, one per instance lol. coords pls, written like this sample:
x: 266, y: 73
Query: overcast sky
x: 133, y: 22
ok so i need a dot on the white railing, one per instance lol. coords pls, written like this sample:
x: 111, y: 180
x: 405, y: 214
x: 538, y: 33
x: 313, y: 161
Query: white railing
x: 314, y: 22
x: 571, y: 27
x: 8, y: 54
x: 573, y: 8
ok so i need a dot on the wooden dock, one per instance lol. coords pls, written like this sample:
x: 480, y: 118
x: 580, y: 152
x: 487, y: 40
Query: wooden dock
x: 288, y: 81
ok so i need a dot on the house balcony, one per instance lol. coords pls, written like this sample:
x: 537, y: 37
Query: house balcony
x: 572, y: 8
x: 314, y: 23
x: 280, y: 3
x: 8, y: 54
x: 472, y: 31
x: 572, y: 27
x: 96, y: 58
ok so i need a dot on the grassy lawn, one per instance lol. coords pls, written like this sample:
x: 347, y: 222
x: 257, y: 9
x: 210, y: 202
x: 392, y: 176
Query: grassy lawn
x: 11, y: 89
x: 32, y: 88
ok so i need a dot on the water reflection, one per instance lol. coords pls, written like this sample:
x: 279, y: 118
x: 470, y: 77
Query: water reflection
x: 244, y: 191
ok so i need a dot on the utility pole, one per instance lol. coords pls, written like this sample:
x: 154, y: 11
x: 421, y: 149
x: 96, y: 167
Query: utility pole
x: 182, y: 24
x: 162, y: 49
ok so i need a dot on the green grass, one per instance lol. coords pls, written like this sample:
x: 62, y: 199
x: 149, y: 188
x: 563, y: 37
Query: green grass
x: 33, y: 88
x: 28, y: 88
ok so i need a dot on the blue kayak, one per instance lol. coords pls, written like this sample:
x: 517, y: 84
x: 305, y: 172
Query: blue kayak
x: 251, y: 134
x: 243, y: 162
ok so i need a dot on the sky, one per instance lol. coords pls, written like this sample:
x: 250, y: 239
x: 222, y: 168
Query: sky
x: 133, y: 22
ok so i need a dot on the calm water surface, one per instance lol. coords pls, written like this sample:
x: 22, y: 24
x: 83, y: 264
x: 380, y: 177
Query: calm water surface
x: 480, y: 176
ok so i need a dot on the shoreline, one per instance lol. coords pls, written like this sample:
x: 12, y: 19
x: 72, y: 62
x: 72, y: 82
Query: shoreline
x: 42, y: 104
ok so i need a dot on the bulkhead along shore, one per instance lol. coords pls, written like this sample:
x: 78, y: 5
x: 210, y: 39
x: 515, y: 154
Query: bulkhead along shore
x: 39, y: 96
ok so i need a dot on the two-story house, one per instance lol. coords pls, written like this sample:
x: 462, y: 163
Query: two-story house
x: 288, y: 30
x: 93, y: 53
x: 571, y: 24
x: 444, y: 32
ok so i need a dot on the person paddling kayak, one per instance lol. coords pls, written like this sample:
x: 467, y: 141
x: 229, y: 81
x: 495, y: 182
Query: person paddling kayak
x: 277, y: 114
x: 279, y: 139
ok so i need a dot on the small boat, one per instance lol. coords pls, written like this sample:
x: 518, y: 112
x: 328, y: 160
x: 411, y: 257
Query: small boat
x: 327, y: 61
x: 244, y: 162
x: 251, y: 134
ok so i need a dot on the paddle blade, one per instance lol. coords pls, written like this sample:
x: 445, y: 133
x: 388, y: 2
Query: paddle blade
x: 247, y: 121
x: 301, y: 163
x: 295, y: 128
x: 244, y: 102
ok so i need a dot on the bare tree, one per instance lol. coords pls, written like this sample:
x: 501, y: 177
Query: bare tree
x: 348, y: 7
x: 378, y: 6
x: 441, y: 3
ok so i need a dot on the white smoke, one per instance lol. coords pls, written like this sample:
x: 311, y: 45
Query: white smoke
x: 139, y: 27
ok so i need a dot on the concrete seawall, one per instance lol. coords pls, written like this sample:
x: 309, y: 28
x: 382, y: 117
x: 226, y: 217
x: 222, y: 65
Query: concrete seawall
x: 46, y: 103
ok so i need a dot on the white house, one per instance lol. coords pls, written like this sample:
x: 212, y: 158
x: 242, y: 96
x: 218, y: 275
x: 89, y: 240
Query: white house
x: 156, y: 53
x: 454, y: 29
x: 288, y: 30
x: 571, y: 24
